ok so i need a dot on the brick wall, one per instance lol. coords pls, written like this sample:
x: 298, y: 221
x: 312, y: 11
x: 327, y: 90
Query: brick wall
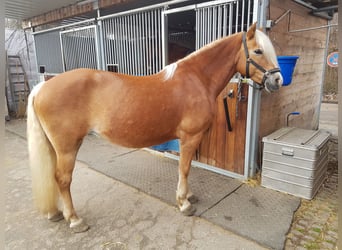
x: 304, y: 93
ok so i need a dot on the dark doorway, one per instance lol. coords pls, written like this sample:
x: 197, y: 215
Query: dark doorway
x: 181, y: 34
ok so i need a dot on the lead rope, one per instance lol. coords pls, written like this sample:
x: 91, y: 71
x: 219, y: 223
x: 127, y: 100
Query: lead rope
x: 226, y: 111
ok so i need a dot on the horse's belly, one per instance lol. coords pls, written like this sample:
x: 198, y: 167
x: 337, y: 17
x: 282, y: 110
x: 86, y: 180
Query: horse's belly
x: 137, y: 134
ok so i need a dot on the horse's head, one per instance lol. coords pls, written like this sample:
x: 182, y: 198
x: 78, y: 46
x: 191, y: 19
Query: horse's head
x: 258, y: 60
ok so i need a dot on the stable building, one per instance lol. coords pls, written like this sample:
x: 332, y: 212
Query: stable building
x: 141, y: 37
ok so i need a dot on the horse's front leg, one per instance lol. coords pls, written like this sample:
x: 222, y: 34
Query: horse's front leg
x: 184, y: 197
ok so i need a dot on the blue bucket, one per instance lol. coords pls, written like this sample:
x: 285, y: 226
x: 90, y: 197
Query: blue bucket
x: 287, y: 65
x: 172, y: 145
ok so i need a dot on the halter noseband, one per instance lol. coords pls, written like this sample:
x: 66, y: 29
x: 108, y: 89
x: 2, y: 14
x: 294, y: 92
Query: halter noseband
x: 249, y: 60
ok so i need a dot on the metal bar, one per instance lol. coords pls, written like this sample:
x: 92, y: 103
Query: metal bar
x: 69, y: 46
x: 137, y: 42
x: 204, y: 23
x: 220, y: 22
x: 249, y: 13
x: 252, y: 126
x: 211, y: 3
x: 129, y: 47
x: 242, y: 15
x: 253, y: 112
x: 144, y: 42
x: 119, y: 22
x: 313, y: 28
x: 139, y: 34
x: 79, y: 47
x: 131, y: 62
x: 125, y: 36
x: 100, y: 44
x: 159, y: 55
x: 134, y: 47
x: 134, y: 44
x: 196, y: 29
x: 64, y: 26
x: 77, y: 29
x: 98, y: 47
x: 230, y: 24
x: 209, y: 25
x: 160, y: 34
x: 110, y: 44
x: 141, y: 41
x: 180, y: 9
x: 214, y: 23
x: 105, y: 42
x: 126, y: 44
x: 82, y: 43
x: 130, y: 12
x: 85, y: 43
x: 153, y: 41
x: 208, y: 167
x: 118, y: 46
x: 236, y: 16
x: 224, y: 20
x: 281, y: 17
x: 63, y: 58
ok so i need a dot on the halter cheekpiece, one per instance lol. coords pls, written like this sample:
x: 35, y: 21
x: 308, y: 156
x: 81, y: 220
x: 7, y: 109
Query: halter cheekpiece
x: 249, y: 61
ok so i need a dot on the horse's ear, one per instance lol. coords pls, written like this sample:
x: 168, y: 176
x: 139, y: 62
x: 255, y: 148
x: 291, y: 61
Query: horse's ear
x: 251, y: 31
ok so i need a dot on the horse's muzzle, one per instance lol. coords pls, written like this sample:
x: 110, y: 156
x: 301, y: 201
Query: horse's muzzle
x: 273, y: 81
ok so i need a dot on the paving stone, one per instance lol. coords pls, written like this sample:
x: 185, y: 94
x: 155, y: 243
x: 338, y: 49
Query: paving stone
x: 309, y: 238
x: 327, y: 245
x: 303, y: 223
x: 332, y: 234
x: 315, y: 223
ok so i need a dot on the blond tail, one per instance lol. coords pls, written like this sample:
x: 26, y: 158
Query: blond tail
x: 42, y: 159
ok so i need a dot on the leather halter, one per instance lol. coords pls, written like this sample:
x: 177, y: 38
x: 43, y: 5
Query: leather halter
x: 249, y: 61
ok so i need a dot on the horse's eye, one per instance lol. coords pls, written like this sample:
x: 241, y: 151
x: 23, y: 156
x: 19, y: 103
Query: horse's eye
x: 258, y: 51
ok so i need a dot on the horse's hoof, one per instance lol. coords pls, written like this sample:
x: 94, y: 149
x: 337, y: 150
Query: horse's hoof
x: 193, y: 199
x: 189, y: 211
x: 79, y: 226
x: 56, y: 217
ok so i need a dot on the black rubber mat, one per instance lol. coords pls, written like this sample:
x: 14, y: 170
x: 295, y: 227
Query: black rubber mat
x: 255, y: 212
x: 155, y: 175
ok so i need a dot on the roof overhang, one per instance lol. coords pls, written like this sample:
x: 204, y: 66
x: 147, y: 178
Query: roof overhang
x: 47, y: 11
x: 321, y: 8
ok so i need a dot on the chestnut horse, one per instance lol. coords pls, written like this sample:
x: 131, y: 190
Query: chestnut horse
x: 136, y: 111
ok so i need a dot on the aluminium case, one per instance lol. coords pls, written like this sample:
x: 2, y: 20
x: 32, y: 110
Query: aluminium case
x: 295, y: 161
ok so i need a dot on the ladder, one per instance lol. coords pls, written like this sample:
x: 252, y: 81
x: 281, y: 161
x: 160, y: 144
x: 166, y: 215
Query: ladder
x: 17, y: 88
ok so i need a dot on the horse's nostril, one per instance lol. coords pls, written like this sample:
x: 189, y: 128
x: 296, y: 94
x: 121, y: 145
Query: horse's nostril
x: 279, y: 80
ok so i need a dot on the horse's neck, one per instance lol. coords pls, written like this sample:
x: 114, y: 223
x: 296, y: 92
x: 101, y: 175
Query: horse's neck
x: 215, y: 64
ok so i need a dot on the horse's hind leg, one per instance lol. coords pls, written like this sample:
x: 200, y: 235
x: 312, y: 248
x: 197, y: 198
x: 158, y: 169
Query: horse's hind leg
x: 64, y: 169
x: 184, y: 197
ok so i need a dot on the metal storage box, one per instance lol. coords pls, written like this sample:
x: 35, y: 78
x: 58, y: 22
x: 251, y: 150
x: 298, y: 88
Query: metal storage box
x: 295, y: 161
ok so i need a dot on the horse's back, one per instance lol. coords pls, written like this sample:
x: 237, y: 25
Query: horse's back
x: 128, y: 110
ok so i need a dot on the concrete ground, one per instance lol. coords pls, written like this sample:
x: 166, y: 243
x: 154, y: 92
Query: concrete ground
x: 329, y: 118
x: 120, y: 217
